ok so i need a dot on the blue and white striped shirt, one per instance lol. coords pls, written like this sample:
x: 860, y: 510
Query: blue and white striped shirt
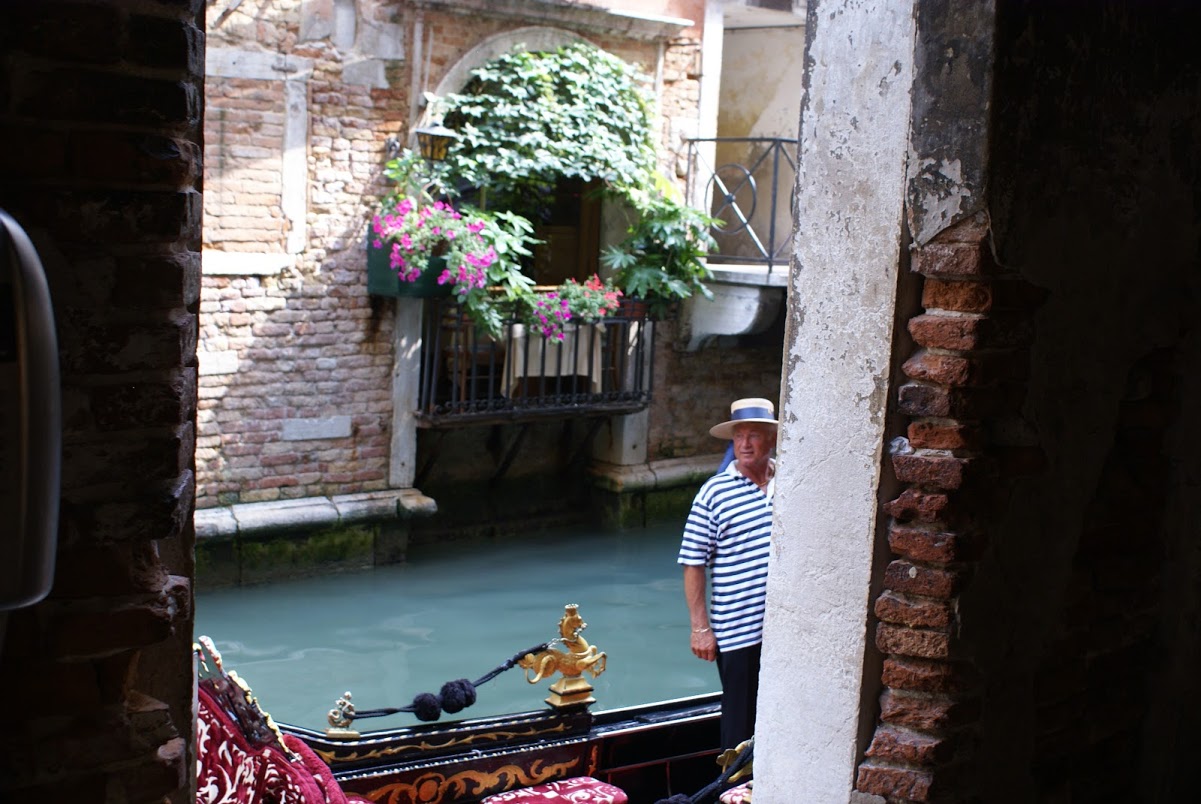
x: 729, y: 530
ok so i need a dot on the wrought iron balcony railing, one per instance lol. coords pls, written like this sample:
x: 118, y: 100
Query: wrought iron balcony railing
x: 745, y: 182
x: 469, y: 378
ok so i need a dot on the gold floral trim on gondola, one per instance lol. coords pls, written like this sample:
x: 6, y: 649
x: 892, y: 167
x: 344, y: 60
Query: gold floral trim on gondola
x: 332, y: 757
x: 432, y: 788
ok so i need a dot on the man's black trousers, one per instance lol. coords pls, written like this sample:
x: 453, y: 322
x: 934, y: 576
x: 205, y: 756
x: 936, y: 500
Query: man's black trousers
x: 739, y: 673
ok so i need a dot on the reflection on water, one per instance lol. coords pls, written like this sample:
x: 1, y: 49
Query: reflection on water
x: 457, y: 611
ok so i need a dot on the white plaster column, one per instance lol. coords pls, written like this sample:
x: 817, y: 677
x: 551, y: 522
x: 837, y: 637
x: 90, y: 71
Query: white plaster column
x: 835, y: 394
x: 294, y: 167
x: 406, y: 378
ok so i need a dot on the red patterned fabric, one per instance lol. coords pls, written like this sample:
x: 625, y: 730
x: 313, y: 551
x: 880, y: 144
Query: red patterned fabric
x: 230, y: 770
x: 737, y: 795
x: 578, y: 790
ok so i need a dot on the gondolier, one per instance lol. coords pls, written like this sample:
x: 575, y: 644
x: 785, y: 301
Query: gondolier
x: 727, y: 539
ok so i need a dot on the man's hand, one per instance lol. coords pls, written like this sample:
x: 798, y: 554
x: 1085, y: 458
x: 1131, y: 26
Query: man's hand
x: 704, y: 645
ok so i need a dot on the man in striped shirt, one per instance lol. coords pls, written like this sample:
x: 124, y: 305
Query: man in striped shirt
x: 726, y: 543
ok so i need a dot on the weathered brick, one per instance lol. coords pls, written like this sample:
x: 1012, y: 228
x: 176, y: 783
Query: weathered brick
x: 158, y: 454
x: 920, y: 400
x: 87, y: 635
x: 165, y: 43
x: 97, y: 345
x: 904, y: 576
x: 957, y: 333
x: 966, y: 260
x: 903, y: 784
x: 941, y: 472
x: 915, y: 399
x: 957, y: 296
x: 149, y: 403
x: 906, y: 641
x: 165, y: 772
x: 972, y: 229
x: 931, y: 544
x: 168, y: 162
x: 926, y: 712
x: 96, y: 570
x: 154, y: 511
x: 88, y: 34
x: 917, y: 505
x: 902, y: 746
x: 106, y: 97
x: 954, y: 370
x: 159, y: 280
x: 82, y: 219
x: 923, y: 675
x: 945, y: 435
x: 913, y: 612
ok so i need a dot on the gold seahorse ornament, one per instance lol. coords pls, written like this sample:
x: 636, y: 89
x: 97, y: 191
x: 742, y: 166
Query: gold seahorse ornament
x: 578, y: 658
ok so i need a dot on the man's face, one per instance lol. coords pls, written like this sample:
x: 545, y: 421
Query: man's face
x: 753, y: 442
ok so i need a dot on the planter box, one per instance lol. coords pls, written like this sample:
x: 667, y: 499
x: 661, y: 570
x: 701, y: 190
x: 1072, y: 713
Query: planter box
x: 383, y: 281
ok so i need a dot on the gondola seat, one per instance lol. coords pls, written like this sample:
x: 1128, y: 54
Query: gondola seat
x: 737, y: 795
x: 577, y: 790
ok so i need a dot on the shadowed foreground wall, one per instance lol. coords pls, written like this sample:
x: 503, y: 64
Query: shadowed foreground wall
x: 100, y: 113
x: 1041, y: 611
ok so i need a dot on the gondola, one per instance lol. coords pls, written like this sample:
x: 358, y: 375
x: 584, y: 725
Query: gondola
x: 650, y: 751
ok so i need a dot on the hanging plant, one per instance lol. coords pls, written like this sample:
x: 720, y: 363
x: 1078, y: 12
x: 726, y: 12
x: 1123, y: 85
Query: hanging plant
x: 524, y: 121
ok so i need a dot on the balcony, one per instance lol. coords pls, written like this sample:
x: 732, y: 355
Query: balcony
x: 746, y: 182
x: 600, y: 369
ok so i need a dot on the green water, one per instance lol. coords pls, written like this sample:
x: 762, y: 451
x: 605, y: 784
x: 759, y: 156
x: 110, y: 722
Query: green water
x: 457, y: 611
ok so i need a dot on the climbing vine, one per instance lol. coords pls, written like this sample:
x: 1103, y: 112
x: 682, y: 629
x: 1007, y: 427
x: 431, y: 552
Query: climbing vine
x: 532, y: 117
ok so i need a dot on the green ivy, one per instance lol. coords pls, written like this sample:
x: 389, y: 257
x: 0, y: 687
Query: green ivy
x: 527, y: 118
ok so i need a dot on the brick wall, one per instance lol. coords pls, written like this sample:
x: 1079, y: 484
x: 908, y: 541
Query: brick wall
x: 243, y: 144
x: 968, y: 443
x: 100, y: 126
x: 693, y: 390
x: 978, y: 649
x: 295, y: 373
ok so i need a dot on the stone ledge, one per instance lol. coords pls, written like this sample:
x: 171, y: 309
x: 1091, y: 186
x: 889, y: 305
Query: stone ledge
x: 311, y: 512
x: 656, y: 475
x: 567, y: 14
x: 752, y: 274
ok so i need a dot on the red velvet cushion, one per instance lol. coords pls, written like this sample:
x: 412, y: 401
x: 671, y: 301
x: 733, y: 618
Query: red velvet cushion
x: 579, y: 790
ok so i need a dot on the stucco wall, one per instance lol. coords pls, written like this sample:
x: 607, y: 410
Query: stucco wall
x: 756, y: 102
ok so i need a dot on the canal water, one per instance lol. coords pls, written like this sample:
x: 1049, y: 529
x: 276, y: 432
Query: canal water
x: 458, y: 610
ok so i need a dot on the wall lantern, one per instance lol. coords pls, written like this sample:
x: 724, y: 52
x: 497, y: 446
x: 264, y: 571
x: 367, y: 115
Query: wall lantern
x: 434, y: 141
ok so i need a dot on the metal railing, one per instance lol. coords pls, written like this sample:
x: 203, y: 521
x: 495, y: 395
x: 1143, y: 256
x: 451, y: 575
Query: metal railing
x: 470, y: 378
x: 745, y: 182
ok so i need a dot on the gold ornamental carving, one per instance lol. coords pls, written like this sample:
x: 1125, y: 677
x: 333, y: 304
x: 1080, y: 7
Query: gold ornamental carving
x: 577, y: 658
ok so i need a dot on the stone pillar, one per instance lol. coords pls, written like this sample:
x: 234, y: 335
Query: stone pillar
x: 835, y: 392
x: 406, y: 378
